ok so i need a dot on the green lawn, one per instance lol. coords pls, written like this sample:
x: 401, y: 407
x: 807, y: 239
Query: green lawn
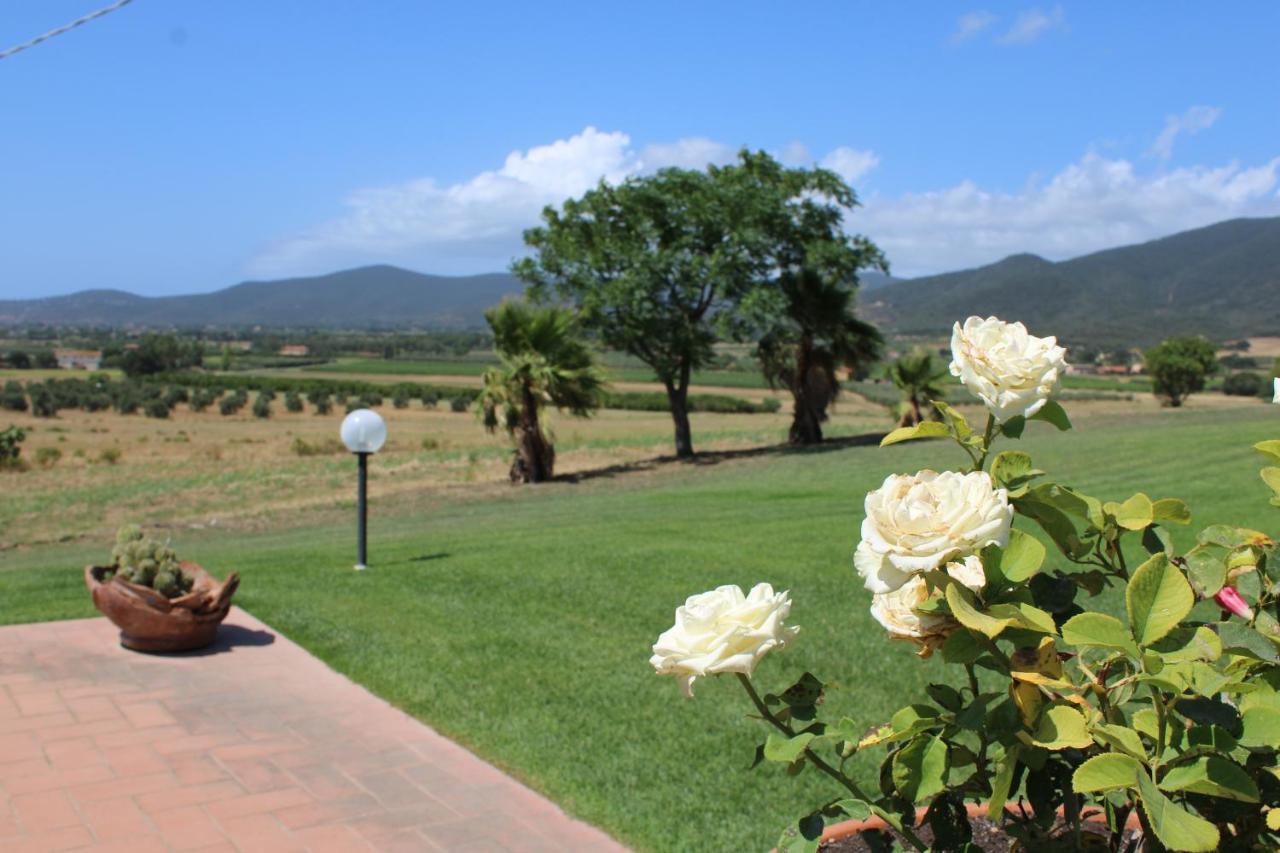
x: 445, y: 367
x: 521, y: 625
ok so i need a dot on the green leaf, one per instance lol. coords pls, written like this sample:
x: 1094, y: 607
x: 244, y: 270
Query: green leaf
x: 1004, y: 780
x: 1053, y: 521
x: 1157, y: 540
x: 1261, y: 728
x: 1271, y: 476
x: 1061, y: 726
x: 969, y: 616
x: 1171, y: 509
x: 785, y: 749
x: 1053, y: 413
x: 1098, y: 629
x: 959, y: 425
x: 1187, y: 643
x: 1214, y: 776
x: 1144, y: 720
x: 1136, y: 513
x: 1238, y: 639
x: 1157, y: 598
x: 1207, y: 568
x: 1025, y: 616
x: 1270, y: 448
x: 1013, y: 427
x: 1110, y: 771
x: 1012, y: 469
x: 1177, y: 828
x: 1022, y: 557
x: 1121, y: 738
x: 803, y: 837
x: 962, y: 647
x: 1231, y: 537
x: 920, y: 768
x: 924, y: 429
x: 855, y: 809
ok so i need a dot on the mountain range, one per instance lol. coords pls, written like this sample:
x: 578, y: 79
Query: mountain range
x: 1222, y: 281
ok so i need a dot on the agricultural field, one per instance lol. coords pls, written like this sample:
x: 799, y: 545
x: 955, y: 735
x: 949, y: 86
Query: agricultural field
x: 499, y: 614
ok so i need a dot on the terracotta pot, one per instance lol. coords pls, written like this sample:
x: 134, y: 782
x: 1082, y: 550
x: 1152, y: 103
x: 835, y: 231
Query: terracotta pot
x: 149, y: 622
x: 845, y: 829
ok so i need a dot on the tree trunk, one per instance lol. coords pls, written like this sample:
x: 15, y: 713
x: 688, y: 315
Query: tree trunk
x: 535, y: 457
x: 806, y: 419
x: 678, y: 398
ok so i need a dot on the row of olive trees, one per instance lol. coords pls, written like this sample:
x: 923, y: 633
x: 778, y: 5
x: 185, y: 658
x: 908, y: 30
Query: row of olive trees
x: 663, y: 266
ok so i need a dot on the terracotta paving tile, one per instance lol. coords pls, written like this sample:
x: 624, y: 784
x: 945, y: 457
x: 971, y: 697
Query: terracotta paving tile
x: 187, y: 828
x: 264, y: 749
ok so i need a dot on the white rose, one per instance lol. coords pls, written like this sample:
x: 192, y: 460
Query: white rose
x: 917, y: 523
x: 722, y: 631
x: 1011, y: 371
x: 896, y: 611
x: 969, y: 572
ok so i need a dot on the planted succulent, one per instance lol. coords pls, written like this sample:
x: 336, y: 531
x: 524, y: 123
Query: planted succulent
x: 146, y: 562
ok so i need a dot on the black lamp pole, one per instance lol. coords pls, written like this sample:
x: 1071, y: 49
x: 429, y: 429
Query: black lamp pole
x: 362, y: 508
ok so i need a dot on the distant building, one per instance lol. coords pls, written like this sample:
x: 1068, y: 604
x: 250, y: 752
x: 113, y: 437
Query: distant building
x: 1082, y: 369
x: 239, y: 346
x: 78, y: 359
x: 294, y: 349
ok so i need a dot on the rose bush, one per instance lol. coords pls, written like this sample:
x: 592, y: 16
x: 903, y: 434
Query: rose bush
x: 1170, y: 714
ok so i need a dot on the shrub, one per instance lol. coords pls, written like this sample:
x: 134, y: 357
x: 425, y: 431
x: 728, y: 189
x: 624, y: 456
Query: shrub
x: 13, y: 398
x: 42, y: 403
x: 11, y: 439
x: 1242, y: 385
x: 400, y: 400
x: 47, y: 457
x: 233, y: 403
x: 430, y: 443
x: 430, y: 399
x: 262, y: 406
x: 459, y: 404
x: 109, y: 455
x: 175, y: 395
x: 156, y: 409
x: 292, y: 401
x: 327, y: 446
x: 1178, y: 367
x: 320, y: 402
x: 97, y: 402
x: 202, y: 399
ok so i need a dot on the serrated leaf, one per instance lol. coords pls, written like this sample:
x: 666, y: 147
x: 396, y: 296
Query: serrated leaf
x: 1053, y: 413
x: 1177, y: 828
x: 1214, y: 776
x: 855, y: 809
x: 1156, y: 599
x: 1238, y: 639
x: 970, y: 617
x: 1187, y: 643
x: 1012, y: 469
x: 1110, y: 771
x: 920, y: 768
x: 1136, y: 513
x: 1022, y: 557
x: 955, y: 419
x: 1100, y: 630
x: 924, y: 429
x: 1120, y: 738
x: 1207, y: 570
x: 785, y: 749
x: 1171, y: 509
x: 1144, y: 720
x: 1232, y: 537
x: 1061, y: 726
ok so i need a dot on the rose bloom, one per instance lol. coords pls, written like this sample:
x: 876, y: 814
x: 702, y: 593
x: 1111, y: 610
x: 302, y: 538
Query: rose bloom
x: 722, y: 631
x: 917, y: 523
x: 896, y: 610
x: 1011, y: 371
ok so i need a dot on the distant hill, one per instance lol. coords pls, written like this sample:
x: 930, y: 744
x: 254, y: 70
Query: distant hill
x: 376, y: 296
x: 1222, y: 281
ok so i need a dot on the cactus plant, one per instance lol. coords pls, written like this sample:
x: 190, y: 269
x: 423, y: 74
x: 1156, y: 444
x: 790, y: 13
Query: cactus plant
x: 146, y: 562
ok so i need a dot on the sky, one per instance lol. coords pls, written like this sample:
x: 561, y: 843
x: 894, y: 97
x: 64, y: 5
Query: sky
x: 176, y: 146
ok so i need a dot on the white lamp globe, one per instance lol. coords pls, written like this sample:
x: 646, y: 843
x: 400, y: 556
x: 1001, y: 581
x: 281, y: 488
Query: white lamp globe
x: 364, y: 431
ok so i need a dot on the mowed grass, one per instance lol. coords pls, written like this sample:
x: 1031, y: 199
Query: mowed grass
x: 520, y: 625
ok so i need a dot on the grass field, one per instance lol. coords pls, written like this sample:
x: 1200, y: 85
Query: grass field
x: 518, y: 621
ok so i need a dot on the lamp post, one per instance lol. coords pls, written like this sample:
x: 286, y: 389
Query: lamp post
x: 363, y: 432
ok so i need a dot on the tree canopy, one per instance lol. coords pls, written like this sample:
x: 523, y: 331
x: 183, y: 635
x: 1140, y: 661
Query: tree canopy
x: 1178, y: 367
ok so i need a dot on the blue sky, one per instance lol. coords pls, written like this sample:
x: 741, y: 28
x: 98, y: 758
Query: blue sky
x: 179, y: 146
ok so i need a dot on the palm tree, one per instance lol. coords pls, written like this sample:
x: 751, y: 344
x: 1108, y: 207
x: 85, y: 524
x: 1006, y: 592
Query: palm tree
x: 812, y: 339
x: 545, y: 361
x: 917, y: 375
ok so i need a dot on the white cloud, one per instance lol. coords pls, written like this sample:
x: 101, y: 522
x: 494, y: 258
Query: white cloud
x: 849, y: 163
x: 1194, y: 120
x: 971, y: 25
x: 1032, y: 24
x: 1094, y: 203
x: 475, y: 225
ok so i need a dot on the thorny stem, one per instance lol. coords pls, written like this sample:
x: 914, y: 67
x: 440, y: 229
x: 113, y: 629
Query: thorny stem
x: 986, y: 441
x: 817, y: 762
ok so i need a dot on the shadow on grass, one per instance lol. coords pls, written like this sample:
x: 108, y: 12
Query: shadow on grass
x: 715, y: 457
x: 423, y: 558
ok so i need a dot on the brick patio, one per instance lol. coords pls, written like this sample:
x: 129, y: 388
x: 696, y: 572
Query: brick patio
x: 253, y: 745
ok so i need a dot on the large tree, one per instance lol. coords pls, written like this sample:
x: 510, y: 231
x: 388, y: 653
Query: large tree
x: 544, y: 362
x: 1179, y: 366
x: 919, y: 376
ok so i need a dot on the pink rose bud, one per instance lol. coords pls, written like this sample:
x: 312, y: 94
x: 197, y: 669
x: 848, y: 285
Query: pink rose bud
x: 1230, y: 599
